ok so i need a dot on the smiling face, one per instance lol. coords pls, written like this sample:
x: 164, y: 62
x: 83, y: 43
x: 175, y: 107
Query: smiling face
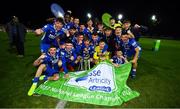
x: 94, y: 37
x: 86, y: 42
x: 89, y: 23
x: 52, y: 51
x: 101, y: 45
x: 118, y: 31
x: 112, y: 21
x: 125, y: 37
x: 108, y: 32
x: 76, y: 21
x: 80, y: 37
x: 58, y: 25
x: 126, y: 25
x: 119, y: 53
x: 69, y: 46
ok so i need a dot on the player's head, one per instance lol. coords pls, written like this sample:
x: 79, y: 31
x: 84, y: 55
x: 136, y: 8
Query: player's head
x: 62, y: 45
x: 94, y: 35
x: 100, y: 25
x: 89, y: 22
x: 101, y: 44
x: 86, y: 40
x: 126, y: 24
x: 81, y: 26
x: 58, y: 22
x: 68, y: 45
x: 108, y: 31
x: 67, y: 17
x: 112, y: 21
x: 76, y: 21
x: 72, y: 30
x: 118, y: 31
x: 119, y: 53
x: 125, y: 37
x: 80, y: 36
x: 52, y: 50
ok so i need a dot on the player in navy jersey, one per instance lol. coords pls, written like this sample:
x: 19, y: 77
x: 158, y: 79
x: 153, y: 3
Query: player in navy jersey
x: 52, y: 36
x: 118, y: 59
x: 118, y: 32
x: 133, y: 31
x: 131, y: 49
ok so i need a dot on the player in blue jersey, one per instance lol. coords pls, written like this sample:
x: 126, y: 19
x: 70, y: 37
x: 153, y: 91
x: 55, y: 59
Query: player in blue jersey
x: 87, y: 55
x: 69, y: 56
x: 95, y: 39
x: 84, y: 30
x: 131, y: 49
x: 76, y: 23
x: 49, y: 64
x: 52, y: 36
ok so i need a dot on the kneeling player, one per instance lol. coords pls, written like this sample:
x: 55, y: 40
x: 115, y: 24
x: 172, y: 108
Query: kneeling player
x: 49, y: 64
x: 131, y: 50
x: 118, y: 59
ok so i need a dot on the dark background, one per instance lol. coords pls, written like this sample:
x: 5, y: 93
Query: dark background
x: 34, y: 13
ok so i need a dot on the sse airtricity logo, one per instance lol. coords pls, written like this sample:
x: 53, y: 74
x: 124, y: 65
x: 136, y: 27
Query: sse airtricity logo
x: 99, y: 79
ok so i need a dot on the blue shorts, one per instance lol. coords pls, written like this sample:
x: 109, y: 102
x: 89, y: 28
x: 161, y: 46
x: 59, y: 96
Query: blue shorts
x: 44, y: 47
x: 131, y: 54
x: 50, y: 71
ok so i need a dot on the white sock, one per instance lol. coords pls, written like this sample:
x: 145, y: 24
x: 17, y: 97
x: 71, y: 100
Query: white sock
x: 134, y: 70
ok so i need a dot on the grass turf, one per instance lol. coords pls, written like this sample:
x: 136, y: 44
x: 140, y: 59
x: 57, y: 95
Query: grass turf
x: 157, y: 80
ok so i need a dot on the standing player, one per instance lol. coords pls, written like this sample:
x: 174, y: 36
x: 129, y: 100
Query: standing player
x: 52, y: 36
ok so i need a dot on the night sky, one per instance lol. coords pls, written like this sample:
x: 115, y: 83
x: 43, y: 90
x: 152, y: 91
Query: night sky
x: 34, y: 13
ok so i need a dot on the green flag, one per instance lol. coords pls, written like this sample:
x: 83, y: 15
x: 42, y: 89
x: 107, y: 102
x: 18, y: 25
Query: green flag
x: 104, y: 84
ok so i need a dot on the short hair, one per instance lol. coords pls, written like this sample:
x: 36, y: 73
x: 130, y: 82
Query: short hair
x: 62, y: 43
x: 89, y: 20
x: 126, y: 21
x: 72, y: 27
x: 112, y: 18
x: 118, y: 27
x: 67, y: 13
x: 101, y: 41
x: 59, y: 19
x: 52, y: 46
x: 80, y: 33
x: 107, y: 28
x: 95, y: 33
x: 86, y: 38
x: 68, y: 41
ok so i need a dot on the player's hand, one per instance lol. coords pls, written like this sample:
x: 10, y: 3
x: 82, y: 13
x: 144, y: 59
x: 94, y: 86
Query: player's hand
x: 137, y: 26
x: 122, y: 57
x: 85, y: 49
x: 80, y: 42
x: 67, y: 33
x: 134, y: 61
x: 99, y: 54
x: 37, y: 62
x: 38, y: 31
x: 103, y: 58
x: 116, y: 65
x: 42, y: 56
x: 72, y: 58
